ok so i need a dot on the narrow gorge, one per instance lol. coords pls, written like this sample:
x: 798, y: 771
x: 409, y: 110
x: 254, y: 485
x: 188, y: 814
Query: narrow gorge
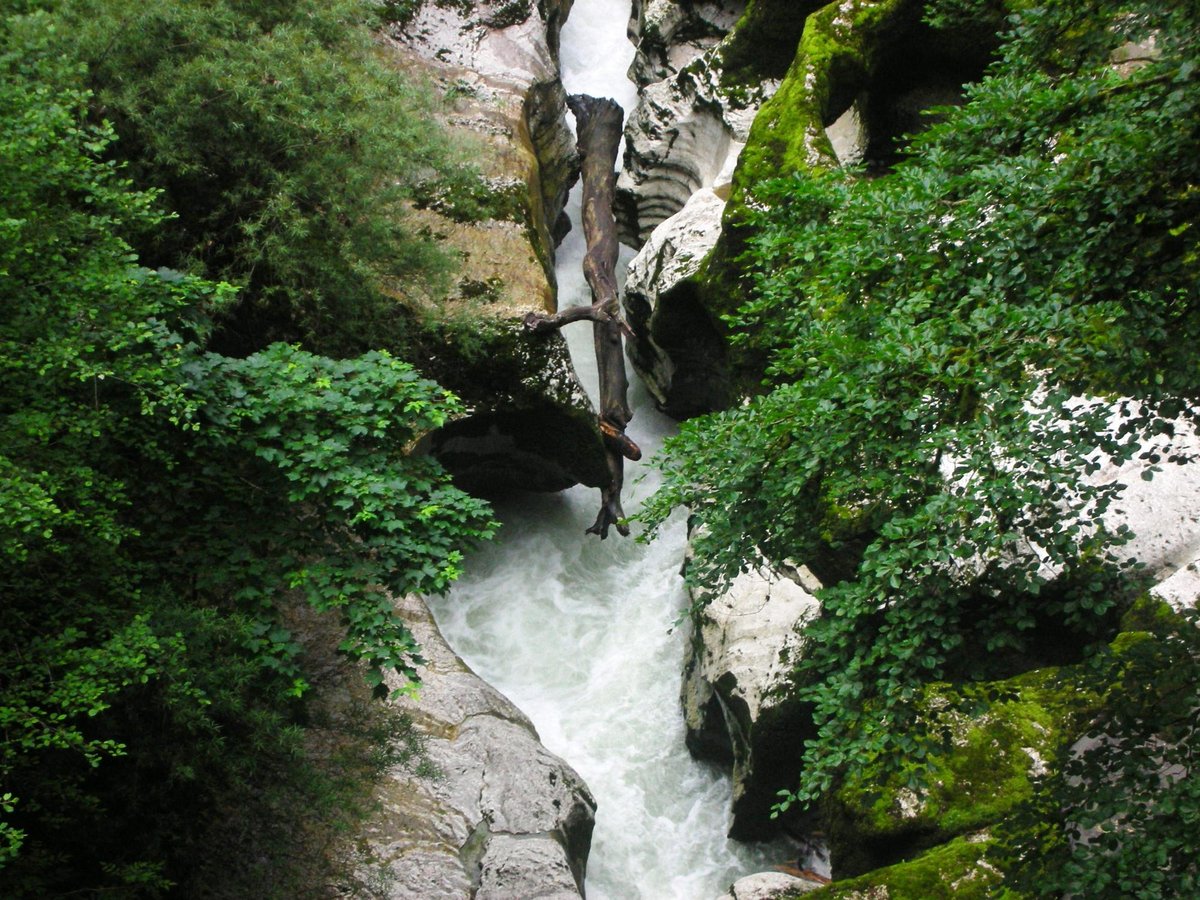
x: 584, y: 636
x: 871, y: 326
x: 590, y: 639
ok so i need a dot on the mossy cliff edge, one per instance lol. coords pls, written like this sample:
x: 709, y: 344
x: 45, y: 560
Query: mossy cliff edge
x: 995, y: 742
x: 854, y: 77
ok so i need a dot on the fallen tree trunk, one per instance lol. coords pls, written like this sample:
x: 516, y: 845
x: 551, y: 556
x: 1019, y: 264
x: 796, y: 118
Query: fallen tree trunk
x: 598, y: 127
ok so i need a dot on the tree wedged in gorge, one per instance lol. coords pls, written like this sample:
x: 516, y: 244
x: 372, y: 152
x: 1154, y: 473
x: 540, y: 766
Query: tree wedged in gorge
x: 599, y: 125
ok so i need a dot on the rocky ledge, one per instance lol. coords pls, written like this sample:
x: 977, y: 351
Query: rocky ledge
x: 741, y: 710
x: 529, y: 423
x: 490, y: 814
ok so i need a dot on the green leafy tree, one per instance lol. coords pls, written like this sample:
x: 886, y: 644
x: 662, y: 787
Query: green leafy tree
x: 160, y: 504
x: 952, y: 348
x: 287, y: 145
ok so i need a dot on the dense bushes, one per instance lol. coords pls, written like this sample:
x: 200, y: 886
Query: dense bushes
x: 160, y: 503
x: 286, y: 144
x: 932, y: 334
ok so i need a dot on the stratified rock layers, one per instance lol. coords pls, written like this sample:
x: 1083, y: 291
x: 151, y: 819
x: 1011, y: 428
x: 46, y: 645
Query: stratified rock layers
x: 529, y: 424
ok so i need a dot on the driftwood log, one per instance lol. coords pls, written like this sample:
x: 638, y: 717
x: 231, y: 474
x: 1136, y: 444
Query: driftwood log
x: 598, y: 128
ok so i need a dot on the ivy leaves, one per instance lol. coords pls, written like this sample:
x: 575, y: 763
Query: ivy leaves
x: 952, y: 349
x: 331, y: 439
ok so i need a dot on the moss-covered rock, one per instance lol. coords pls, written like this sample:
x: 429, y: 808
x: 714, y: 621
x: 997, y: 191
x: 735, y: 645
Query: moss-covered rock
x: 987, y: 754
x: 874, y: 59
x: 763, y: 43
x: 957, y: 869
x: 986, y: 743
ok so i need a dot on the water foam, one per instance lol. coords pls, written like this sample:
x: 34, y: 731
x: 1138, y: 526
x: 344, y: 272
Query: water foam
x: 579, y: 632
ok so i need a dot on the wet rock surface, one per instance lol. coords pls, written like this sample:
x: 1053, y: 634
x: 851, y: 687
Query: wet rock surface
x: 490, y: 813
x: 742, y: 649
x: 689, y: 125
x: 769, y: 886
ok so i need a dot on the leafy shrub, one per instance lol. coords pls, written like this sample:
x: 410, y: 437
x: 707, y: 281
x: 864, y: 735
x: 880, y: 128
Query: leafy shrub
x: 948, y: 346
x: 159, y: 505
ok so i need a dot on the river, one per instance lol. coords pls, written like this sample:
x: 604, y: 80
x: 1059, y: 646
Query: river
x: 579, y: 632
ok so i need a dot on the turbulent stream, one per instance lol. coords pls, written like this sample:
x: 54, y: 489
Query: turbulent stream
x: 578, y: 632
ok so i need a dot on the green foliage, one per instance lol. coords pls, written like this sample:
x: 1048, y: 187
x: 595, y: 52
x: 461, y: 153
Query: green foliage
x: 328, y: 438
x: 1121, y: 816
x: 286, y: 144
x: 160, y: 506
x: 979, y: 768
x: 948, y: 346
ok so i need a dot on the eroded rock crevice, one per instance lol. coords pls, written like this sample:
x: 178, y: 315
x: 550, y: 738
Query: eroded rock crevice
x: 786, y: 88
x: 529, y: 424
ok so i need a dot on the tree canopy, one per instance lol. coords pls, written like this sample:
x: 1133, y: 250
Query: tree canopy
x: 954, y: 347
x: 162, y: 503
x: 286, y: 143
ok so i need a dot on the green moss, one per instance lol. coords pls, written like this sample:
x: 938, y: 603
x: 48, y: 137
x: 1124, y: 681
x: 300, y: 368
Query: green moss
x: 829, y: 67
x: 954, y: 870
x: 981, y: 746
x: 1149, y: 613
x: 763, y: 43
x: 462, y: 196
x: 984, y: 744
x: 832, y: 65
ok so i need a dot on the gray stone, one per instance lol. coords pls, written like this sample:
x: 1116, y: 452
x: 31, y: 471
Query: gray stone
x: 742, y: 649
x: 688, y: 129
x: 494, y: 814
x: 530, y: 868
x: 769, y: 886
x: 657, y: 279
x: 528, y: 423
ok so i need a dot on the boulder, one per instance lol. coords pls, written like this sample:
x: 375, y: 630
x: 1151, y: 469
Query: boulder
x: 734, y: 710
x: 1000, y: 736
x: 682, y: 143
x: 769, y: 886
x: 528, y: 422
x: 958, y: 869
x: 490, y: 813
x: 1161, y: 505
x: 670, y: 352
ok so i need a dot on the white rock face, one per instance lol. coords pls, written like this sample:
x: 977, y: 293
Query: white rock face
x: 676, y: 247
x: 741, y: 653
x: 687, y: 130
x: 511, y: 50
x: 670, y: 34
x: 848, y: 136
x: 495, y: 64
x: 769, y: 886
x: 673, y: 254
x: 499, y: 818
x: 500, y: 58
x: 1164, y: 515
x: 747, y: 635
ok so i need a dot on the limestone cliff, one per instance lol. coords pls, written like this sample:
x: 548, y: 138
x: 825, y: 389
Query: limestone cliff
x: 529, y: 424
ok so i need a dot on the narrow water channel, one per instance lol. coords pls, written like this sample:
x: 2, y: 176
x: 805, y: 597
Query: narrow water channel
x: 579, y: 633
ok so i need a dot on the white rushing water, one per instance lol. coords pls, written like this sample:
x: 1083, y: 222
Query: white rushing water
x: 578, y: 632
